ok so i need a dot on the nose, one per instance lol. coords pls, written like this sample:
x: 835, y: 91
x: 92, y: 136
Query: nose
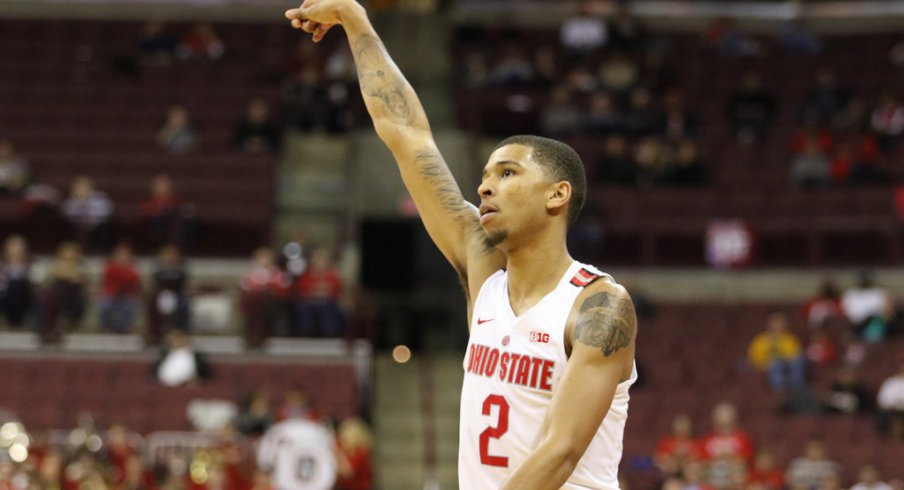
x: 485, y: 189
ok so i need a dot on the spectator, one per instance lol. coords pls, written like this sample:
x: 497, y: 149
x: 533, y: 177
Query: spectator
x: 89, y: 211
x: 825, y: 306
x: 854, y: 117
x: 304, y: 100
x: 257, y: 132
x: 319, y: 290
x: 868, y: 308
x: 547, y: 71
x: 65, y: 298
x: 168, y: 307
x: 14, y: 171
x: 560, y: 116
x: 765, y: 473
x: 584, y: 32
x: 821, y: 350
x: 778, y: 353
x: 809, y: 470
x: 179, y: 362
x: 795, y: 40
x: 120, y: 291
x: 750, y: 109
x: 810, y: 168
x: 695, y: 476
x: 643, y: 118
x: 476, y: 70
x: 355, y: 443
x: 826, y: 101
x: 673, y: 450
x: 848, y: 395
x: 887, y: 121
x: 626, y: 32
x: 651, y: 162
x: 263, y: 289
x: 201, y: 43
x: 177, y: 134
x: 724, y: 35
x: 618, y: 74
x: 155, y: 47
x: 616, y: 165
x: 687, y: 170
x: 677, y: 124
x: 170, y: 219
x: 726, y: 440
x: 603, y: 116
x: 254, y: 416
x: 119, y: 449
x: 513, y: 69
x: 870, y: 479
x: 891, y: 401
x: 297, y: 404
x: 16, y: 290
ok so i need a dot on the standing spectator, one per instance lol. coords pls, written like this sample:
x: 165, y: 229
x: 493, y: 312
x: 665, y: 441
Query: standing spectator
x: 171, y: 221
x: 14, y: 172
x: 825, y: 306
x: 355, y: 442
x: 584, y: 32
x: 778, y: 353
x: 887, y: 120
x: 673, y: 450
x: 870, y: 479
x: 179, y: 362
x: 848, y: 395
x: 168, y: 306
x: 88, y: 210
x: 257, y: 132
x: 263, y: 289
x: 726, y: 440
x: 319, y: 290
x: 16, y: 291
x: 750, y: 109
x: 765, y: 473
x: 177, y: 134
x: 809, y: 470
x: 201, y: 43
x: 65, y: 297
x: 891, y: 401
x: 868, y: 308
x: 120, y: 291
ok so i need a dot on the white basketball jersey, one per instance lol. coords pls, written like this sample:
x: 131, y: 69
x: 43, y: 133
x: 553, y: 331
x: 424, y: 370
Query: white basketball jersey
x: 300, y: 454
x: 512, y: 367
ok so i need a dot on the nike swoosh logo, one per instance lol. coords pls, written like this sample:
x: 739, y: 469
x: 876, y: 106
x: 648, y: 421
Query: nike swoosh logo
x: 481, y: 322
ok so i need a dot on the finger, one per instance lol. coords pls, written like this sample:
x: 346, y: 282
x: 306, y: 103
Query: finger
x: 296, y: 23
x: 293, y: 13
x: 321, y: 31
x: 309, y: 26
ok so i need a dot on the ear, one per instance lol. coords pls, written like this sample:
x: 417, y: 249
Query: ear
x: 558, y: 196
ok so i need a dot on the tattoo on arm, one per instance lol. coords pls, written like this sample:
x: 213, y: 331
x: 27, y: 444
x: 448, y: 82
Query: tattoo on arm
x: 381, y: 79
x: 606, y: 322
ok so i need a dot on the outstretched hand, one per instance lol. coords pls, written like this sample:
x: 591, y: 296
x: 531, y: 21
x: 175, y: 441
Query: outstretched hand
x: 318, y: 16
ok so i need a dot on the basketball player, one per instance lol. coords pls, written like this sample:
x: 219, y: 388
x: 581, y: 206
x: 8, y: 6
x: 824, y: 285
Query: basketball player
x: 551, y: 352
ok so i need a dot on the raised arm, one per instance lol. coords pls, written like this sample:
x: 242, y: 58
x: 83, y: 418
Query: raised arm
x: 402, y: 124
x: 602, y: 355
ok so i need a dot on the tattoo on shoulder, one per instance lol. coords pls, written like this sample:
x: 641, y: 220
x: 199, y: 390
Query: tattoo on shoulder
x: 380, y: 79
x: 606, y: 322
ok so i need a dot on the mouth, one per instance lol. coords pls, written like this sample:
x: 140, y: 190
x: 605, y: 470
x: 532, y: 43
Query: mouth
x: 487, y: 212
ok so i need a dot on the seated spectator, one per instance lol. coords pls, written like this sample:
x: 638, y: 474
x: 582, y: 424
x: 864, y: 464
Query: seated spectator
x: 854, y: 117
x: 826, y: 101
x: 317, y: 309
x: 171, y: 221
x: 809, y: 470
x: 16, y: 290
x: 547, y: 71
x: 201, y: 43
x: 476, y: 70
x: 603, y: 116
x: 616, y: 166
x: 14, y: 171
x: 254, y: 416
x: 810, y: 168
x: 626, y: 31
x: 560, y: 116
x: 795, y: 40
x: 65, y: 297
x: 154, y: 45
x: 643, y: 118
x: 891, y: 401
x: 868, y: 307
x: 750, y: 110
x: 848, y: 395
x: 859, y: 159
x: 177, y: 134
x: 887, y: 121
x: 618, y: 74
x: 724, y: 35
x: 168, y: 306
x: 355, y: 443
x: 821, y: 350
x: 263, y: 289
x: 778, y: 353
x: 695, y: 475
x: 89, y: 211
x: 677, y: 123
x: 674, y: 449
x: 514, y: 68
x: 687, y: 169
x: 812, y: 131
x: 297, y: 404
x: 584, y: 32
x: 726, y: 440
x: 120, y: 291
x: 869, y: 478
x: 825, y: 306
x: 652, y: 163
x: 765, y: 473
x: 179, y: 362
x: 257, y: 132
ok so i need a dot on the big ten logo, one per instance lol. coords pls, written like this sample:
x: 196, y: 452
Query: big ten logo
x: 541, y: 337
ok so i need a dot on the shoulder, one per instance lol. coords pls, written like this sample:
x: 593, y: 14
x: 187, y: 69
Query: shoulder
x: 604, y: 317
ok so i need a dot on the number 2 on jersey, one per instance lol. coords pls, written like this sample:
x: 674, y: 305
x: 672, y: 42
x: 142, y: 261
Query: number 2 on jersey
x: 494, y: 432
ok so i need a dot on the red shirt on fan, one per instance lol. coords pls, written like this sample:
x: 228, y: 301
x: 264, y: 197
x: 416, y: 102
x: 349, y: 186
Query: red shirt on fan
x: 324, y: 283
x: 735, y: 444
x: 361, y: 477
x: 121, y: 279
x: 679, y: 447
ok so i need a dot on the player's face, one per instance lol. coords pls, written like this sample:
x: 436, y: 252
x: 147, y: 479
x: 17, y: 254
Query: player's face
x: 512, y: 192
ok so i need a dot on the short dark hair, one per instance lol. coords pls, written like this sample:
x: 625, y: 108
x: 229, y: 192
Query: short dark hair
x: 562, y: 162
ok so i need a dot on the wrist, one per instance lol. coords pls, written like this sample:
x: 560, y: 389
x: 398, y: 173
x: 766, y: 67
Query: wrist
x: 352, y: 13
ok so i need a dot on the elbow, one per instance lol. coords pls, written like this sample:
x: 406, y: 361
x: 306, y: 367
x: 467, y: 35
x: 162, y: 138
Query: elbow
x: 566, y: 457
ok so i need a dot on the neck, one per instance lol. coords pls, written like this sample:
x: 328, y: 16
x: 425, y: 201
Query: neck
x: 535, y: 270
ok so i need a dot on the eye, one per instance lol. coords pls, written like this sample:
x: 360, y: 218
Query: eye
x: 507, y: 173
